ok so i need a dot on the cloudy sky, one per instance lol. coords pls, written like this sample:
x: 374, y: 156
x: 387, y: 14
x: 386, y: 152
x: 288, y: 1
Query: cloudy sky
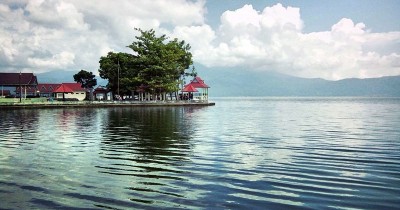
x: 326, y: 39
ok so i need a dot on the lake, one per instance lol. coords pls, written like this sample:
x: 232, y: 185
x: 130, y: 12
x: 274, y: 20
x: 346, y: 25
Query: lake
x: 243, y: 153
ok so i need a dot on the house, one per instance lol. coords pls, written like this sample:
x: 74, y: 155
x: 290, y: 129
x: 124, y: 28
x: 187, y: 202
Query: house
x: 70, y: 91
x: 23, y: 81
x: 47, y: 89
x: 42, y: 90
x: 199, y: 89
x: 26, y: 91
x: 101, y: 93
x: 17, y: 79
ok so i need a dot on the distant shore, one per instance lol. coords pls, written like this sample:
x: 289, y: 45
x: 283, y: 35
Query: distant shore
x: 100, y: 104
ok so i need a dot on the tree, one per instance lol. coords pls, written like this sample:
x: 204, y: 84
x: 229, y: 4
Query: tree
x: 119, y: 69
x: 157, y: 64
x: 160, y: 63
x: 87, y: 80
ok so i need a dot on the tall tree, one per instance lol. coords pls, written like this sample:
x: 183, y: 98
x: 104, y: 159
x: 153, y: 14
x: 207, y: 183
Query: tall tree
x: 119, y: 69
x: 160, y: 62
x: 87, y: 80
x: 157, y: 64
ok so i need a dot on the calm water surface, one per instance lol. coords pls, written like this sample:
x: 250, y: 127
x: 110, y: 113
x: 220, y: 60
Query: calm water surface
x: 243, y: 153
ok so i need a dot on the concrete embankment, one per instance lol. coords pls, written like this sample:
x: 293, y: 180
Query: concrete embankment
x: 97, y: 104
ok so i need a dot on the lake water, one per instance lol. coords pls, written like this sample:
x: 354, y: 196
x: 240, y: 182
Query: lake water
x: 243, y: 153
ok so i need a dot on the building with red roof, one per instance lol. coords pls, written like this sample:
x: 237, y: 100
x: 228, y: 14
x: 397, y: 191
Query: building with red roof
x: 70, y: 91
x: 42, y: 90
x: 18, y: 79
x: 198, y: 86
x: 197, y: 82
x: 189, y: 88
x: 102, y: 93
x: 47, y: 89
x: 21, y: 81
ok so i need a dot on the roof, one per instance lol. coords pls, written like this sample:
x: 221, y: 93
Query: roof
x: 189, y: 88
x: 17, y: 79
x: 63, y: 89
x: 69, y: 88
x: 75, y: 86
x: 42, y: 88
x: 197, y: 82
x: 47, y: 87
x: 100, y: 89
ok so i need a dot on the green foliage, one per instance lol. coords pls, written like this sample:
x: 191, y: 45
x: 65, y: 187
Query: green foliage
x: 156, y: 64
x: 87, y: 79
x: 119, y: 68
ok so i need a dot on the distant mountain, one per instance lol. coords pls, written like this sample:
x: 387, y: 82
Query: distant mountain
x: 62, y: 76
x: 226, y: 82
x: 236, y: 82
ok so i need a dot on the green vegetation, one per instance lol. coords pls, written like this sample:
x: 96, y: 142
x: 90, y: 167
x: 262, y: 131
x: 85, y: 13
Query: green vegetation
x: 157, y: 65
x: 87, y: 80
x: 24, y: 100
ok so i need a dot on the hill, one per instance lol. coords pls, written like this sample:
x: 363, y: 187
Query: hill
x: 226, y: 82
x: 236, y: 82
x: 63, y: 76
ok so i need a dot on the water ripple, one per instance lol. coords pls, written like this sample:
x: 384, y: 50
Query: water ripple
x: 255, y: 153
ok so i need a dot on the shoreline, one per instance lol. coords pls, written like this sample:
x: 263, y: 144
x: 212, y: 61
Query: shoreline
x: 96, y: 104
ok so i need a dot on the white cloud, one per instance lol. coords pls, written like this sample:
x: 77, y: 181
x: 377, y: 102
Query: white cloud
x: 273, y: 40
x: 56, y: 61
x: 281, y: 17
x: 45, y: 35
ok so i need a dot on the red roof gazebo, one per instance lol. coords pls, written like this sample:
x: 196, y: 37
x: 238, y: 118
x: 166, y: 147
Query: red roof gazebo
x: 199, y: 86
x: 197, y: 82
x: 189, y: 88
x: 63, y: 88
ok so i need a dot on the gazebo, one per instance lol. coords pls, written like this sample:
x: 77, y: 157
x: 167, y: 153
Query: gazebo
x: 189, y: 89
x: 102, y: 93
x: 202, y: 88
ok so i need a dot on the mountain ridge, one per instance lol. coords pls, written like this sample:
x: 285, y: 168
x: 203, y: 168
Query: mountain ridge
x: 237, y: 82
x: 269, y: 83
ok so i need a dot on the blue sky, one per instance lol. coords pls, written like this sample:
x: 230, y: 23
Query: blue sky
x: 379, y: 16
x: 325, y: 39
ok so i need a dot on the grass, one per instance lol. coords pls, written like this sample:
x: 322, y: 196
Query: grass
x: 24, y: 100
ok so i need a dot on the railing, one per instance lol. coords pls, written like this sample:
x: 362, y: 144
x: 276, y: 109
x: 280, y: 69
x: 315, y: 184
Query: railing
x: 44, y: 101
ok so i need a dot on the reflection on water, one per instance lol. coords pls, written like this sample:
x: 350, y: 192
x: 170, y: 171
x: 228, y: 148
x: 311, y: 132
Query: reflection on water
x: 150, y: 133
x: 273, y: 153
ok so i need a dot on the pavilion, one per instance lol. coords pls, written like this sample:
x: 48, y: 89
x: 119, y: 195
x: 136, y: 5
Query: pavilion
x: 22, y: 81
x: 200, y: 88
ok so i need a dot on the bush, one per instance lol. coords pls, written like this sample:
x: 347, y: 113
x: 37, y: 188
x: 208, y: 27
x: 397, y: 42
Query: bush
x: 67, y: 99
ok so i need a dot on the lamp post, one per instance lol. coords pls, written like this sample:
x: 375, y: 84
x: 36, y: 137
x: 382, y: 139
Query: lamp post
x: 118, y: 78
x: 20, y: 88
